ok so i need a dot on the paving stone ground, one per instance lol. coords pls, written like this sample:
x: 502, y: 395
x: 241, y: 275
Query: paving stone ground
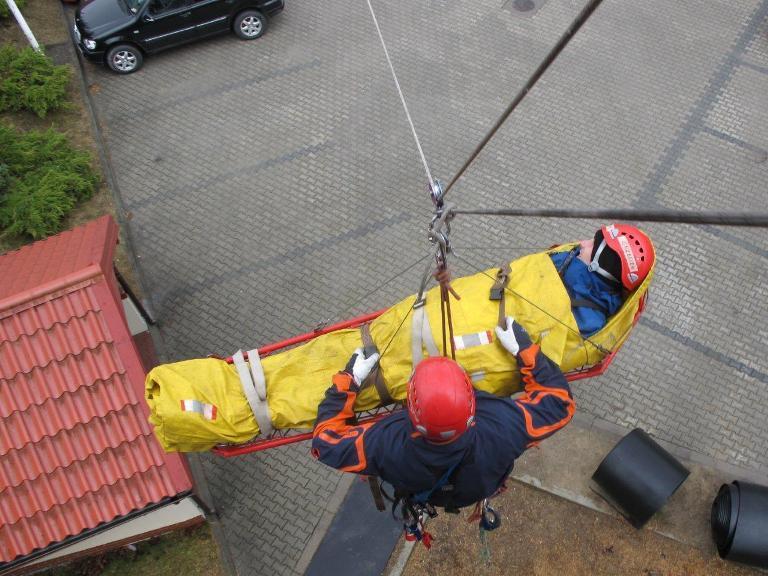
x: 272, y: 185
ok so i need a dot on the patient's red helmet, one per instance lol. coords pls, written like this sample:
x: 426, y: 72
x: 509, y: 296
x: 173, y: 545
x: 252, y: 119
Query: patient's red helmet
x: 635, y: 251
x: 441, y: 400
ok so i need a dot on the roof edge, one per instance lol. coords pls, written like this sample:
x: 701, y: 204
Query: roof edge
x: 107, y: 233
x: 87, y: 273
x: 9, y: 565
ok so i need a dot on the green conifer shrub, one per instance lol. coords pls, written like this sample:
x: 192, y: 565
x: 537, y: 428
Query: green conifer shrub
x: 5, y: 12
x: 30, y: 81
x: 45, y: 178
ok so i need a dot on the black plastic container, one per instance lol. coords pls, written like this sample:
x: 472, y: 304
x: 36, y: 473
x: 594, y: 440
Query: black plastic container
x: 638, y: 476
x: 740, y: 523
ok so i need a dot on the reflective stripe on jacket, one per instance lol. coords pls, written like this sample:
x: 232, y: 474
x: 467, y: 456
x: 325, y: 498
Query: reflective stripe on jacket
x: 391, y: 449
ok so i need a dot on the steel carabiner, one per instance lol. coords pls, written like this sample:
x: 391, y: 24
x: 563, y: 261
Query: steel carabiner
x: 489, y: 518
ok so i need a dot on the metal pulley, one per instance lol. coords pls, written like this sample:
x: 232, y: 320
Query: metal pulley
x: 436, y: 190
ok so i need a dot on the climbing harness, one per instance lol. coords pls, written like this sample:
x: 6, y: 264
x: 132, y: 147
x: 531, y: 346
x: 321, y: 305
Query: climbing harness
x: 416, y: 509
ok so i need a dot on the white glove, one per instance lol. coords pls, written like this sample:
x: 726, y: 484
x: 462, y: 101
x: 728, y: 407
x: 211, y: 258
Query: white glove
x: 514, y: 338
x: 359, y: 367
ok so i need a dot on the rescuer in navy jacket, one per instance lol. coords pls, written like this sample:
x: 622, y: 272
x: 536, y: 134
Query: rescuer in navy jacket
x: 448, y: 427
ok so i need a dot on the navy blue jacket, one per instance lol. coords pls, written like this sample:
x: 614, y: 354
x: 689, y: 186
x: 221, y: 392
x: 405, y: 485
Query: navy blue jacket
x: 393, y: 450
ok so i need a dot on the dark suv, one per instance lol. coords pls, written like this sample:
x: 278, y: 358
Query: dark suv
x: 119, y: 33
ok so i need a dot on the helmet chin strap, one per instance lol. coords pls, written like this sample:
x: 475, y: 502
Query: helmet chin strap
x: 594, y: 266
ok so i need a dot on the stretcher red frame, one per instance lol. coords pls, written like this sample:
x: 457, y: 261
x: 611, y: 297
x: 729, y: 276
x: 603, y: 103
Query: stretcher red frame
x: 291, y: 436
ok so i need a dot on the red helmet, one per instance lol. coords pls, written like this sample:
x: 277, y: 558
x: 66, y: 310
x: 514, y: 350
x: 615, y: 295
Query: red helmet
x: 634, y: 249
x: 441, y: 399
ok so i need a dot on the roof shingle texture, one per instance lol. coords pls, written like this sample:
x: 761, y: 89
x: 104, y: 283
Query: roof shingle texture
x: 76, y: 449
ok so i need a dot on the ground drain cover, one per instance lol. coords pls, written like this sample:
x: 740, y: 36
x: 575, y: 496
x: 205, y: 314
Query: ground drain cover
x: 525, y: 8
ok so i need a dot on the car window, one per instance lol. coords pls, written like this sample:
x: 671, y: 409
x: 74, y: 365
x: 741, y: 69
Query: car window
x: 159, y: 7
x: 134, y: 5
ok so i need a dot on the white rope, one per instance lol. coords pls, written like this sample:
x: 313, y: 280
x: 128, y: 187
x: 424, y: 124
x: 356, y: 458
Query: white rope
x: 402, y: 97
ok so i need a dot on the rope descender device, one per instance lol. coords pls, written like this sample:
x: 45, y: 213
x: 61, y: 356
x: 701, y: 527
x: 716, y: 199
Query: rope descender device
x: 414, y: 518
x: 439, y: 234
x: 440, y: 227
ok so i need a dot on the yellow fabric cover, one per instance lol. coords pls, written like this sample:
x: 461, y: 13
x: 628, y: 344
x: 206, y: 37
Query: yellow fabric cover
x: 296, y: 379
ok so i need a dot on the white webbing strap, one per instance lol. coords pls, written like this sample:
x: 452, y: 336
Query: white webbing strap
x: 421, y: 336
x: 594, y: 266
x: 258, y: 374
x: 416, y: 333
x: 258, y: 406
x: 426, y: 336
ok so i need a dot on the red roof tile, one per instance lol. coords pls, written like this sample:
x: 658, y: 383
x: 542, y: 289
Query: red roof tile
x: 76, y: 449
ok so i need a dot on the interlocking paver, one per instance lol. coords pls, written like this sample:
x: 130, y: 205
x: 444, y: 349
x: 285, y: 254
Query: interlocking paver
x: 274, y: 184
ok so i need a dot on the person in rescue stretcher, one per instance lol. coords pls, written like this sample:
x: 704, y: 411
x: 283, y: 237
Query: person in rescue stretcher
x: 598, y: 274
x: 578, y: 301
x: 454, y: 446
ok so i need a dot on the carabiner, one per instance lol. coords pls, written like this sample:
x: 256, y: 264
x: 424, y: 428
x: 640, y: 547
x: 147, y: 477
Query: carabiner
x: 489, y: 518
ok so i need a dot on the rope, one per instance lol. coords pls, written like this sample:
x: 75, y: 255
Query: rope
x: 410, y: 309
x: 402, y: 97
x: 553, y: 54
x: 445, y: 297
x: 442, y: 319
x: 380, y: 286
x: 555, y: 318
x: 750, y: 219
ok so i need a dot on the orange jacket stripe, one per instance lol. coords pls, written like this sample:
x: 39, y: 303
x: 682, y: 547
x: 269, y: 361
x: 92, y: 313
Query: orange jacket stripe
x: 535, y: 393
x: 338, y: 423
x: 336, y: 429
x: 534, y: 432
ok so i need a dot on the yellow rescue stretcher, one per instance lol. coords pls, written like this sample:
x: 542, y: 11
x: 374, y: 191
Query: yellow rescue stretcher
x: 259, y: 400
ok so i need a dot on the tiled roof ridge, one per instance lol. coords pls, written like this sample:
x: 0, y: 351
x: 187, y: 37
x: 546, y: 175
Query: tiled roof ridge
x: 20, y: 516
x: 92, y: 494
x: 60, y: 466
x: 71, y: 282
x: 88, y: 386
x: 69, y: 354
x: 53, y: 325
x: 76, y: 425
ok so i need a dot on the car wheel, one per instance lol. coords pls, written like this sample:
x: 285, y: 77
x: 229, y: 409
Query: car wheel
x: 124, y: 58
x: 250, y: 24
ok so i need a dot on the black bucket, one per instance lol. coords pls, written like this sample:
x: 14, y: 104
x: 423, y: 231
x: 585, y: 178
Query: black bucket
x: 740, y: 523
x: 638, y: 476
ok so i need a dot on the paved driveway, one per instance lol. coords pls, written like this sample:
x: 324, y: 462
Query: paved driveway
x: 274, y: 184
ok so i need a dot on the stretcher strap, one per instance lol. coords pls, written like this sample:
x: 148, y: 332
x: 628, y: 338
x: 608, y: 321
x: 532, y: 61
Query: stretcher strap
x: 498, y: 291
x: 421, y: 336
x: 375, y: 377
x: 426, y: 336
x: 378, y: 498
x: 257, y: 372
x: 258, y: 405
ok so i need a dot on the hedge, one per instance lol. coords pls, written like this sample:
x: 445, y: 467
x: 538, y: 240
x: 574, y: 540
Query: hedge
x: 30, y: 81
x: 42, y: 177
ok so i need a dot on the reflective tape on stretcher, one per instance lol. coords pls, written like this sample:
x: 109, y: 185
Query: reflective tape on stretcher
x: 469, y: 340
x: 258, y: 405
x: 207, y: 411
